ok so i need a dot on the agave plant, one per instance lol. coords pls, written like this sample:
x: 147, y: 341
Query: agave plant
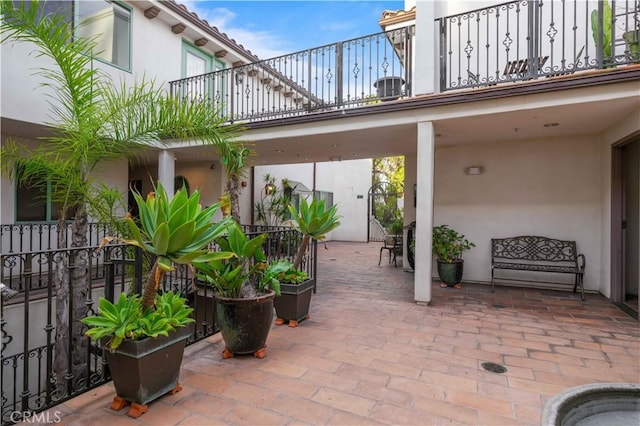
x: 126, y: 319
x: 247, y: 272
x: 313, y: 220
x: 176, y: 231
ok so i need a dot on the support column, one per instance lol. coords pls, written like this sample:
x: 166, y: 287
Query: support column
x: 424, y: 212
x: 167, y: 171
x: 425, y: 50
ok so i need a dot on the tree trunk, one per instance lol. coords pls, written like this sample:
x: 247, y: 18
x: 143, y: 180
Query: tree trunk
x: 61, y: 283
x: 72, y: 294
x: 301, y: 251
x: 151, y: 286
x: 233, y: 189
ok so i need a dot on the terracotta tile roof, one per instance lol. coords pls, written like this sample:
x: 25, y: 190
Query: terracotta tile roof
x: 210, y: 29
x: 396, y: 16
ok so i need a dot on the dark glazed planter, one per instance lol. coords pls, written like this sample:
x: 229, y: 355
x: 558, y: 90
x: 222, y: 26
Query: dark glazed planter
x: 293, y: 303
x: 450, y: 273
x: 245, y: 323
x: 204, y: 311
x: 611, y: 404
x: 144, y: 370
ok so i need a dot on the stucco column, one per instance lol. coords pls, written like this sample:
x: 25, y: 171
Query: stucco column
x: 424, y: 212
x: 167, y: 171
x: 425, y: 51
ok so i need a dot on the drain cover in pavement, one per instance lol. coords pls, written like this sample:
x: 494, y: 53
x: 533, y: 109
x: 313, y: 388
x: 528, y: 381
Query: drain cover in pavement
x: 494, y: 368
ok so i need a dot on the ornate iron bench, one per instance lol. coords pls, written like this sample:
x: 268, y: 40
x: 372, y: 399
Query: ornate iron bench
x: 537, y: 254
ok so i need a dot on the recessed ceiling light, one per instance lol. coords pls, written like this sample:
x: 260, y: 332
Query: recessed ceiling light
x: 279, y: 151
x: 551, y: 125
x: 335, y: 145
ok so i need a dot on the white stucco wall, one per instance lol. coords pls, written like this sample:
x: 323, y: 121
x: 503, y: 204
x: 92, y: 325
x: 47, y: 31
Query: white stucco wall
x: 546, y: 187
x: 346, y: 179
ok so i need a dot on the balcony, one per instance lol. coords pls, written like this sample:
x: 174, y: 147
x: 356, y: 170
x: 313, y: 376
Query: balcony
x: 508, y: 43
x: 339, y: 75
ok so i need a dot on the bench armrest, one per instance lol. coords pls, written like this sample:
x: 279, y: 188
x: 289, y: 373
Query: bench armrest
x: 581, y: 261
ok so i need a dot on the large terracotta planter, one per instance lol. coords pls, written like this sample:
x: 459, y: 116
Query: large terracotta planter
x: 293, y: 303
x: 144, y: 370
x: 450, y: 273
x: 245, y: 323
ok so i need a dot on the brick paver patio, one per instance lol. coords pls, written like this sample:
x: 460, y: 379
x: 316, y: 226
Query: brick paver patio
x: 370, y: 355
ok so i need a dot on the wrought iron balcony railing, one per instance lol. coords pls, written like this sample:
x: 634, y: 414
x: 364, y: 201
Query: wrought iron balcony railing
x: 341, y: 75
x: 527, y: 39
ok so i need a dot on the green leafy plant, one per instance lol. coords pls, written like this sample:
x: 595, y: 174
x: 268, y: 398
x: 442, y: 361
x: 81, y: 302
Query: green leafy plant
x: 126, y: 319
x: 176, y: 231
x: 313, y: 220
x: 293, y: 276
x: 246, y: 272
x: 272, y: 207
x: 448, y: 244
x: 396, y: 226
x: 606, y: 29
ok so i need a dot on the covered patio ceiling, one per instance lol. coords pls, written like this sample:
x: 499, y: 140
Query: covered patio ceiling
x: 394, y: 133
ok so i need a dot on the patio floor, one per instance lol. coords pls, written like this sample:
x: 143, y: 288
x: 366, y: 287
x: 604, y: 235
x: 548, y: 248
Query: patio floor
x: 370, y: 355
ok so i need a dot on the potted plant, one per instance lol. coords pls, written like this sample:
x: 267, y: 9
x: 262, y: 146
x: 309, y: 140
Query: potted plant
x: 246, y: 284
x: 313, y: 220
x: 447, y: 246
x: 146, y: 335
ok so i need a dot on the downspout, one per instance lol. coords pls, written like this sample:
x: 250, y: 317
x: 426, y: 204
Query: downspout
x: 252, y: 175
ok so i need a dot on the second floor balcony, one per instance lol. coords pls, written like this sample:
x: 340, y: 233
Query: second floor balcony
x: 503, y: 44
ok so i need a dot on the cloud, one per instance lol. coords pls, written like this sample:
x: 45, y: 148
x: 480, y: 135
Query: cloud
x: 264, y: 44
x: 339, y: 26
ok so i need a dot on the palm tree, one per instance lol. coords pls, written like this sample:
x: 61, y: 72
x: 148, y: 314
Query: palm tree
x: 94, y: 121
x: 234, y: 158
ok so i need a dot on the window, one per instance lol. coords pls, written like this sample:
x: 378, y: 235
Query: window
x: 110, y: 24
x: 34, y: 204
x: 326, y: 196
x: 196, y: 62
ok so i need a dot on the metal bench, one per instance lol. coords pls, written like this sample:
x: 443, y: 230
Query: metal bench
x: 537, y: 254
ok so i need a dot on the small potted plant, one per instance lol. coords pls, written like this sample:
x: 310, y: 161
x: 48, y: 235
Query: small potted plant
x: 447, y: 246
x: 245, y: 285
x: 146, y: 335
x: 313, y: 220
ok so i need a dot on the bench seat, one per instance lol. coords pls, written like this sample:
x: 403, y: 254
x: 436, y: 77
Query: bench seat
x: 533, y: 253
x: 539, y: 268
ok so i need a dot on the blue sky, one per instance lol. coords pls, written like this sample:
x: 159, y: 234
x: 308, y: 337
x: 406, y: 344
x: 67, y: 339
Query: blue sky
x: 273, y: 28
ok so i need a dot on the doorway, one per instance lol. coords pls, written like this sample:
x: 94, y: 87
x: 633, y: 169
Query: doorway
x: 383, y: 213
x: 625, y: 235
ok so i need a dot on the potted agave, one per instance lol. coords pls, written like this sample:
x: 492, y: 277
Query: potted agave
x: 313, y: 220
x: 447, y: 246
x: 246, y: 284
x: 146, y: 335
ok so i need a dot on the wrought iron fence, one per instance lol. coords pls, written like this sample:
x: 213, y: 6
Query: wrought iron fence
x: 32, y: 237
x: 29, y: 322
x: 340, y: 75
x: 527, y: 39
